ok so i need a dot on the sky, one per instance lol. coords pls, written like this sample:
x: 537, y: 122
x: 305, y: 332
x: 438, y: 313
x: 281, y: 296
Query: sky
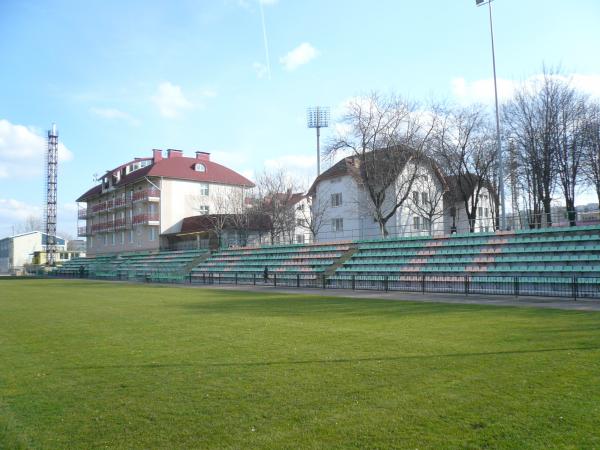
x: 234, y: 77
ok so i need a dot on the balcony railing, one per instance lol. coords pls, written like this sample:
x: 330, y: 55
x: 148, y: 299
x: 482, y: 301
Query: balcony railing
x: 146, y: 194
x: 120, y: 202
x: 100, y: 207
x: 109, y: 205
x: 83, y: 213
x: 103, y: 227
x: 122, y: 224
x: 146, y: 219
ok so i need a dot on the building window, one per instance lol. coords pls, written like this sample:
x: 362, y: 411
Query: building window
x: 486, y: 212
x: 300, y: 207
x: 335, y: 180
x: 152, y: 234
x: 204, y: 189
x: 426, y: 224
x: 299, y: 239
x: 130, y: 236
x: 199, y: 167
x: 337, y: 225
x: 480, y: 211
x: 122, y: 238
x: 112, y: 238
x: 415, y: 196
x: 336, y: 199
x: 416, y: 222
x: 105, y: 239
x: 300, y: 222
x: 424, y: 198
x: 91, y: 241
x: 203, y: 209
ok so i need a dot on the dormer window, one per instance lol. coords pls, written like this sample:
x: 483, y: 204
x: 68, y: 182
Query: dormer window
x: 199, y: 167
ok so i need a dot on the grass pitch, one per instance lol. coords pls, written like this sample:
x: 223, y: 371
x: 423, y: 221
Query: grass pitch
x: 89, y: 365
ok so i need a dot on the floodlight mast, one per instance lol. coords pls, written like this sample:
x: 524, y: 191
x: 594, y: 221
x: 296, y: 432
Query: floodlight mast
x: 498, y: 142
x: 318, y: 117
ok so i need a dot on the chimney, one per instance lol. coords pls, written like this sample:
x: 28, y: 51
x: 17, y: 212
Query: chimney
x: 172, y: 153
x: 156, y: 154
x: 203, y: 156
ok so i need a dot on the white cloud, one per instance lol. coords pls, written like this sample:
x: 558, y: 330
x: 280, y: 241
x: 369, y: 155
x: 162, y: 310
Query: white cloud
x: 482, y: 91
x: 299, y: 56
x: 113, y: 113
x: 170, y: 100
x: 15, y: 211
x: 22, y: 151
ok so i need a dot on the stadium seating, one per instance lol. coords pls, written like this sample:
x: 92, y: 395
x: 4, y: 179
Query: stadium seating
x: 553, y: 252
x: 165, y: 266
x: 282, y: 261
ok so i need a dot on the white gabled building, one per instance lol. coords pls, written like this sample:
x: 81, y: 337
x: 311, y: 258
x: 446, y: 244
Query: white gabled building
x: 345, y: 211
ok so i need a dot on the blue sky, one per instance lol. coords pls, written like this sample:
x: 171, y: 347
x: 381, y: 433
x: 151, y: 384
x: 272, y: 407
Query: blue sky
x: 122, y: 77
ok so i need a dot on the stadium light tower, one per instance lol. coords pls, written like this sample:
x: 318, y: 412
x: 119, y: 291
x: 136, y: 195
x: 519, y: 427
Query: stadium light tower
x: 317, y: 117
x: 498, y: 143
x: 51, y: 189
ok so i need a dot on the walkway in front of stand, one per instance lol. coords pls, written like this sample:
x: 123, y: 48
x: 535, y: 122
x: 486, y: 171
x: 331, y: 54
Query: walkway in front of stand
x: 473, y: 299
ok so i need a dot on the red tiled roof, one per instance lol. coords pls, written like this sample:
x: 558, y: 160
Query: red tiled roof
x: 180, y: 168
x: 197, y: 224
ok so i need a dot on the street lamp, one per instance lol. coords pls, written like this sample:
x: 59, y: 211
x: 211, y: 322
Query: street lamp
x: 498, y: 144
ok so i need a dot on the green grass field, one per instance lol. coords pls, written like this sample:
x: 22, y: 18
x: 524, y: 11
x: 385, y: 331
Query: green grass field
x: 100, y: 365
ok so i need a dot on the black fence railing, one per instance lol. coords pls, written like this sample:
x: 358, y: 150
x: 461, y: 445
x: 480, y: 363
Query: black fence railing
x: 566, y: 287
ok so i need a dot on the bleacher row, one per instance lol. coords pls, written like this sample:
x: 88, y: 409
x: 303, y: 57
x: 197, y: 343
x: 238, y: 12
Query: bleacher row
x: 540, y: 255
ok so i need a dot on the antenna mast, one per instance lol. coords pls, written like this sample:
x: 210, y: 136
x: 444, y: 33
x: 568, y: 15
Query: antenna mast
x: 51, y: 189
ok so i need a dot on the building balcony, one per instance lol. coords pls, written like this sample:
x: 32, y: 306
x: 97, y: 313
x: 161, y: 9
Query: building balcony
x: 146, y: 219
x: 109, y: 205
x: 82, y: 231
x: 146, y: 195
x: 83, y: 213
x: 103, y: 227
x: 100, y: 207
x: 119, y: 203
x: 122, y: 224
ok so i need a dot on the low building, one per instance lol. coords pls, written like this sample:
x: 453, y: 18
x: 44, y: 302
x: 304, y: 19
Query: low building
x: 18, y: 251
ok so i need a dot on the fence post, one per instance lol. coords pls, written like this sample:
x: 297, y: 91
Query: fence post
x: 297, y: 280
x: 574, y: 288
x: 353, y: 282
x: 385, y: 283
x: 323, y: 280
x: 236, y: 275
x: 466, y: 285
x: 254, y: 279
x: 516, y: 286
x: 190, y: 277
x: 275, y: 279
x: 423, y: 283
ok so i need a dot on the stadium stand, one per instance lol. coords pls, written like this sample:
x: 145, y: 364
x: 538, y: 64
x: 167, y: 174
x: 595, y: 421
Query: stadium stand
x: 285, y: 263
x: 165, y: 266
x: 563, y: 261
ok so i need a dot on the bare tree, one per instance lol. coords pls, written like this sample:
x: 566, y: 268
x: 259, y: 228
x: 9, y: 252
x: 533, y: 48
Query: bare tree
x: 275, y: 193
x: 386, y: 136
x: 591, y: 152
x: 533, y: 122
x: 463, y: 144
x: 313, y: 217
x: 31, y: 223
x: 428, y: 195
